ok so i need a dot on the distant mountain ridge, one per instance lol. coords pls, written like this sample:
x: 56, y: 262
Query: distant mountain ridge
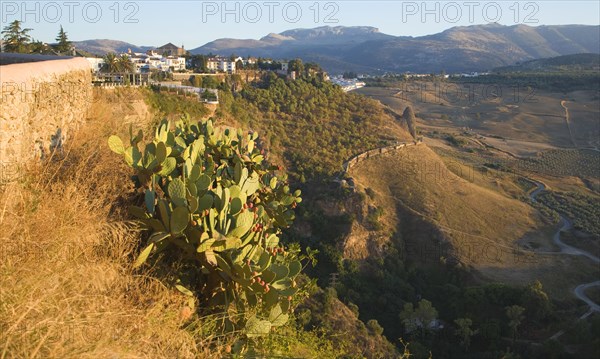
x: 104, y: 46
x: 366, y: 49
x: 458, y: 49
x: 295, y: 40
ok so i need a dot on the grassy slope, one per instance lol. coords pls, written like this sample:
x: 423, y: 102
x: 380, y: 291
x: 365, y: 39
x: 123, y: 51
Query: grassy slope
x: 418, y: 179
x: 430, y: 207
x: 67, y: 288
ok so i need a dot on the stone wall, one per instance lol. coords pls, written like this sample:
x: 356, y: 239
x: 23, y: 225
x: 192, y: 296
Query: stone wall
x: 41, y: 103
x: 375, y: 152
x: 7, y: 58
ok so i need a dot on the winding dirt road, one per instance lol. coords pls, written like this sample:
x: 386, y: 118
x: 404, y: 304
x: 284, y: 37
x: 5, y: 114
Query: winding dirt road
x: 566, y: 225
x: 565, y: 249
x: 563, y: 104
x: 579, y: 291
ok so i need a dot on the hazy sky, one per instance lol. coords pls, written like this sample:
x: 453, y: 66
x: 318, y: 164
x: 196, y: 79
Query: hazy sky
x: 193, y: 23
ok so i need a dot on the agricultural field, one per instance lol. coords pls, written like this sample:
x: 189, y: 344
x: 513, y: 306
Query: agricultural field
x: 579, y: 163
x: 581, y: 208
x: 517, y: 112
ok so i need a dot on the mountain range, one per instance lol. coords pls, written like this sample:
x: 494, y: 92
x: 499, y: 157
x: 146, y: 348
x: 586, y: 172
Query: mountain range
x: 104, y: 46
x: 575, y: 63
x: 366, y: 49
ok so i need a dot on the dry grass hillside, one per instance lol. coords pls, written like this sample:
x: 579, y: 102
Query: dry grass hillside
x: 67, y: 288
x: 416, y: 180
x: 528, y: 115
x: 440, y: 216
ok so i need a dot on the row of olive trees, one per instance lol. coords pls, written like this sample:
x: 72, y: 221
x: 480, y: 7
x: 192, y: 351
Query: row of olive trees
x: 17, y: 39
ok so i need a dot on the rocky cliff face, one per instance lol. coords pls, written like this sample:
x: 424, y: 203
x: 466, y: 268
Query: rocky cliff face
x: 41, y: 103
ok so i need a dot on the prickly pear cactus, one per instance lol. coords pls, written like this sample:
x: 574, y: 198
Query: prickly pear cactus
x: 210, y: 195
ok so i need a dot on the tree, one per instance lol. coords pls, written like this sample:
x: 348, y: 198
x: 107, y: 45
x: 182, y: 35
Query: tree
x: 38, y: 47
x: 515, y: 317
x: 536, y: 301
x: 464, y: 331
x: 420, y: 317
x: 114, y: 63
x: 407, y: 316
x: 239, y: 65
x: 409, y: 117
x: 210, y: 82
x: 125, y: 64
x: 63, y: 45
x: 16, y: 39
x: 426, y: 314
x: 296, y: 65
x: 111, y: 62
x: 197, y: 81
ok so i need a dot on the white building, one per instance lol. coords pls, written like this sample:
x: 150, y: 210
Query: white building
x: 175, y: 62
x: 154, y: 61
x: 221, y: 64
x: 228, y: 66
x: 96, y: 63
x: 249, y: 61
x: 347, y: 84
x: 212, y: 64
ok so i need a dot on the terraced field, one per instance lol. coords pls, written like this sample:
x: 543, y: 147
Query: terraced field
x: 579, y: 163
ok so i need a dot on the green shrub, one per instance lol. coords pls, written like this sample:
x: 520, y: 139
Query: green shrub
x: 354, y: 308
x: 169, y: 104
x: 370, y: 192
x: 456, y: 141
x: 374, y: 327
x: 211, y: 200
x: 310, y: 123
x: 373, y: 218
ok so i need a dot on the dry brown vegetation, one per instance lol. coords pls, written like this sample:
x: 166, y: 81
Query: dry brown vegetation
x: 417, y: 180
x: 523, y: 115
x: 475, y: 220
x: 67, y: 288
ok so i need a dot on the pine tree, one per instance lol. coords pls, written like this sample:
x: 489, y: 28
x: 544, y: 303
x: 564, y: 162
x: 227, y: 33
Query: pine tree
x: 15, y: 39
x: 38, y: 47
x: 63, y: 45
